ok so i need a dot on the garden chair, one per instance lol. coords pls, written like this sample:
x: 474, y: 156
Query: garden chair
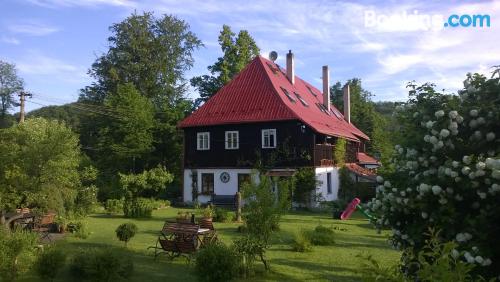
x: 211, y: 236
x: 43, y: 225
x: 177, y: 239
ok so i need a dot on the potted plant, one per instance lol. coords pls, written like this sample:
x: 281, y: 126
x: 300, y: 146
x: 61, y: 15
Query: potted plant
x: 61, y: 224
x: 208, y: 214
x: 183, y: 217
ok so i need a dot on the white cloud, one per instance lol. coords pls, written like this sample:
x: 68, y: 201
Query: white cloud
x: 34, y: 63
x: 81, y: 3
x: 10, y: 40
x: 32, y: 28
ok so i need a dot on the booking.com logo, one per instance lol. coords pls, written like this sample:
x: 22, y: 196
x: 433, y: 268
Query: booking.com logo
x: 404, y: 21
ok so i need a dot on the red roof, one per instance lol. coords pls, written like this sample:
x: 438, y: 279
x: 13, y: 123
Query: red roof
x: 361, y: 171
x: 256, y: 95
x: 364, y: 158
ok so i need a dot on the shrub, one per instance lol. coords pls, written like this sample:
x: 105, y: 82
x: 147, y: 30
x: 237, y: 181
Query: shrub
x: 101, y: 264
x: 16, y: 252
x: 224, y: 215
x: 305, y: 184
x: 49, y: 262
x: 446, y: 171
x: 242, y: 228
x: 301, y: 242
x: 86, y: 199
x: 114, y: 206
x: 322, y: 236
x: 216, y: 262
x: 138, y: 208
x: 126, y: 231
x: 80, y: 229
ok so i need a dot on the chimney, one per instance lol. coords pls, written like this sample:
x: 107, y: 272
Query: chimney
x: 326, y: 87
x: 290, y: 71
x: 347, y: 103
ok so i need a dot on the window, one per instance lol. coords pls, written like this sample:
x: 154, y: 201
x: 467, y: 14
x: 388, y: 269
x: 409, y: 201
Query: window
x: 243, y: 178
x: 301, y: 99
x: 336, y: 112
x: 207, y: 183
x: 268, y: 138
x: 290, y: 97
x: 203, y: 141
x: 329, y: 182
x: 232, y: 140
x: 322, y: 108
x: 310, y: 91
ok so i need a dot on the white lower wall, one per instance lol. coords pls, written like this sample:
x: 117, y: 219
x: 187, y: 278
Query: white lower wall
x: 220, y: 188
x: 321, y: 176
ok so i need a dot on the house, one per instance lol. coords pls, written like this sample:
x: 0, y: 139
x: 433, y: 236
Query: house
x: 267, y: 115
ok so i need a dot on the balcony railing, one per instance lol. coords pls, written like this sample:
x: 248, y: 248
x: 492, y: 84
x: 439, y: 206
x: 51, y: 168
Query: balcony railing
x: 323, y: 154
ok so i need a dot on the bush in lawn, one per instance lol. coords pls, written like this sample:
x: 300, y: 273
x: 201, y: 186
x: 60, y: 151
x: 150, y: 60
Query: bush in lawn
x: 248, y: 248
x: 138, y: 208
x: 16, y: 253
x: 126, y: 231
x: 446, y: 172
x: 262, y: 212
x: 437, y: 261
x: 114, y: 206
x: 322, y: 236
x: 49, y: 262
x: 79, y: 229
x: 101, y: 264
x: 216, y: 262
x: 224, y: 215
x: 301, y: 242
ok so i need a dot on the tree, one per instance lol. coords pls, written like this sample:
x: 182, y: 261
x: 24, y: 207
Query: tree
x: 152, y: 54
x: 128, y: 134
x: 9, y: 84
x: 237, y: 53
x: 365, y: 116
x: 126, y: 231
x: 447, y: 172
x: 38, y: 166
x: 262, y: 213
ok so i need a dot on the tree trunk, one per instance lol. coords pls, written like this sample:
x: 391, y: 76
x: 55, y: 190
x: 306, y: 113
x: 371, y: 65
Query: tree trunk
x: 6, y: 223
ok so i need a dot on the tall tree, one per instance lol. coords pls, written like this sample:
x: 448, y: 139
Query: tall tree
x: 237, y: 53
x: 128, y: 134
x: 153, y: 54
x: 365, y: 116
x: 10, y: 83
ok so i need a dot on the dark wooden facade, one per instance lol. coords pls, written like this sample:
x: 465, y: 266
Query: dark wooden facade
x: 297, y: 146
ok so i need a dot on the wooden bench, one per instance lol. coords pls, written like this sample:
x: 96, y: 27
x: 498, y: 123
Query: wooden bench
x: 177, y: 239
x: 224, y: 201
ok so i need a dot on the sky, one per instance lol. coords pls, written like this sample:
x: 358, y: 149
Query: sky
x: 386, y: 44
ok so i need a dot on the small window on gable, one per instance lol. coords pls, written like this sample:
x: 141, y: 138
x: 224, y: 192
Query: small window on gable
x: 290, y: 97
x: 203, y: 141
x: 301, y: 99
x: 310, y: 91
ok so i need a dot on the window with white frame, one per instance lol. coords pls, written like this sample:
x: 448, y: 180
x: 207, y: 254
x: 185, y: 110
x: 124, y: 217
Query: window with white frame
x: 203, y: 141
x: 268, y: 138
x: 232, y: 140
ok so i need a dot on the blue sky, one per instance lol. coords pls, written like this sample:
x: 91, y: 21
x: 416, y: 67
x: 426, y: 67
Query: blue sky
x: 54, y: 42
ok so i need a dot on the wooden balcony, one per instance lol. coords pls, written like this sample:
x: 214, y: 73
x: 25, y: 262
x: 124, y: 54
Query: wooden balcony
x: 323, y: 154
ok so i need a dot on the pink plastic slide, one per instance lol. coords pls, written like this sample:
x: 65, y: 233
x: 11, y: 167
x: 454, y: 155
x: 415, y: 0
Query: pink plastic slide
x: 350, y: 209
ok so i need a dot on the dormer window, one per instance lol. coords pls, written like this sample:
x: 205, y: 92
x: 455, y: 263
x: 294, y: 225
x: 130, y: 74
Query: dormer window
x: 301, y: 99
x: 268, y: 138
x: 290, y: 97
x: 310, y: 91
x: 203, y: 141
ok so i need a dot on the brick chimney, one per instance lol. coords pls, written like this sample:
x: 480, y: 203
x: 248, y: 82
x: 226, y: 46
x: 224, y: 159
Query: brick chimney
x: 347, y: 103
x: 326, y: 87
x: 290, y: 67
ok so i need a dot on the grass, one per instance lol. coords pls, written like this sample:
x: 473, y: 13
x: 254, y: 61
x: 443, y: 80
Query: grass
x: 324, y: 263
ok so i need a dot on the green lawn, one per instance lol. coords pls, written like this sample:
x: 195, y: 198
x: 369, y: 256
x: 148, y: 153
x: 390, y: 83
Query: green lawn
x: 332, y: 263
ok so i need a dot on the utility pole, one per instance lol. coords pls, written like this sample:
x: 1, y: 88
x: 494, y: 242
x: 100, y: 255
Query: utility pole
x: 22, y: 98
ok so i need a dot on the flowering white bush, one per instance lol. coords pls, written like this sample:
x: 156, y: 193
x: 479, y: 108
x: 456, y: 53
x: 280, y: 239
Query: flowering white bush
x: 447, y: 172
